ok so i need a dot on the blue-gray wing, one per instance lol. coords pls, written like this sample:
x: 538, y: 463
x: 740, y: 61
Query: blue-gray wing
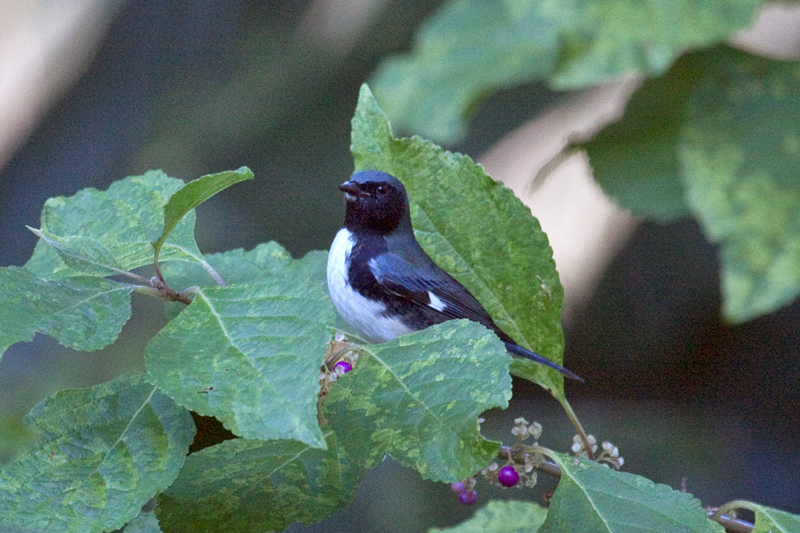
x: 440, y: 295
x: 436, y: 290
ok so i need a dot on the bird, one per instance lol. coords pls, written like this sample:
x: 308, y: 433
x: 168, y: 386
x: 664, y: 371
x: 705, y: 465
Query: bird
x: 383, y: 283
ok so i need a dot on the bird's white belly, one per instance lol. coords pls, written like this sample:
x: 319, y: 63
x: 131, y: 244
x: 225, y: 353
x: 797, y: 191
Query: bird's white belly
x: 365, y: 315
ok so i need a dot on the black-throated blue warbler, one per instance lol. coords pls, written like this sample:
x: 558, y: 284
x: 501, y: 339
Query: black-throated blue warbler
x: 383, y: 283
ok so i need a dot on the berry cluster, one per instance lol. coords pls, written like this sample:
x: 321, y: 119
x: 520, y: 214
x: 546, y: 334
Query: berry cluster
x: 610, y: 454
x: 465, y: 490
x: 520, y: 465
x: 522, y: 460
x: 340, y: 359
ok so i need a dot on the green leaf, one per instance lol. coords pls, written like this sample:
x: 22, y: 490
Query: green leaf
x: 249, y: 355
x: 145, y: 522
x: 102, y: 453
x: 471, y: 48
x: 246, y: 485
x: 463, y: 52
x: 14, y: 437
x: 83, y: 238
x: 636, y: 159
x: 717, y: 137
x: 418, y: 398
x: 82, y: 313
x: 118, y: 225
x: 592, y: 497
x: 252, y: 266
x: 502, y: 517
x: 82, y: 254
x: 740, y: 154
x: 606, y: 39
x: 195, y: 193
x: 478, y: 231
x: 769, y: 520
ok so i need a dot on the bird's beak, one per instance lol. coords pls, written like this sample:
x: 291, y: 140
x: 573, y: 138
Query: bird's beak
x: 350, y: 188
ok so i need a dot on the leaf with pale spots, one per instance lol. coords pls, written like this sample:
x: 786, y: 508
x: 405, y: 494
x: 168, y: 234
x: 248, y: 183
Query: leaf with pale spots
x: 249, y: 355
x: 592, y: 497
x: 249, y: 266
x: 100, y: 455
x: 84, y: 238
x: 478, y: 231
x: 740, y: 157
x: 81, y: 312
x: 101, y: 232
x: 717, y: 137
x: 471, y: 48
x: 418, y: 398
x: 245, y: 485
x: 83, y: 254
x: 502, y: 517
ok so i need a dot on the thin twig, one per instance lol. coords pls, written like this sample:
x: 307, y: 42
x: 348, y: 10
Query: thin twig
x: 578, y: 427
x: 734, y: 525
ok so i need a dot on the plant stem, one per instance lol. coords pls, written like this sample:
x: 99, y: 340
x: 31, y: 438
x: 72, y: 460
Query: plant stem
x: 213, y: 273
x: 577, y: 424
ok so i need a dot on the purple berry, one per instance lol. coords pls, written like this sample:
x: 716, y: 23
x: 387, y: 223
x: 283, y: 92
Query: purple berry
x: 344, y: 365
x: 507, y: 476
x: 458, y: 488
x: 468, y: 497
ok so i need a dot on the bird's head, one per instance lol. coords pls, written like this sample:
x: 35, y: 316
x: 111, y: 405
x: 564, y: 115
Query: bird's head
x: 376, y: 201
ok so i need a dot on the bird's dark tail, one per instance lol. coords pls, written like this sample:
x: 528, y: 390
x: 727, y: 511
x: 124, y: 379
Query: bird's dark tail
x: 516, y: 349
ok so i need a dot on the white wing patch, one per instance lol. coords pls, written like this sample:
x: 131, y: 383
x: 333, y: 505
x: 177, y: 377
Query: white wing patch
x: 436, y: 302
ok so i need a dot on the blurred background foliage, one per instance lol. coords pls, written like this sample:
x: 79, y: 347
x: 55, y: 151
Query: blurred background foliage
x: 95, y: 90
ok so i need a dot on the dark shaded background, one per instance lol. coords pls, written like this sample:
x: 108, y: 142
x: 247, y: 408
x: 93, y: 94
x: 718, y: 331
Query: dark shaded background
x: 194, y: 87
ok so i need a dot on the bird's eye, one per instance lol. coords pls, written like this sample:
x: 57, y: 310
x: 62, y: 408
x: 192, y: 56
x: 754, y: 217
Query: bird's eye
x: 382, y: 189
